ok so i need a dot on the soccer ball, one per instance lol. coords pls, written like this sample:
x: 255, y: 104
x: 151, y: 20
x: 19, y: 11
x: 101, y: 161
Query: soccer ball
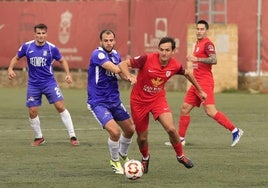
x: 133, y: 169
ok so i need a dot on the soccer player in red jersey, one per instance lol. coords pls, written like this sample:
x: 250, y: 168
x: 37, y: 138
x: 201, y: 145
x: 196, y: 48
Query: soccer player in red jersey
x: 203, y: 57
x: 148, y: 95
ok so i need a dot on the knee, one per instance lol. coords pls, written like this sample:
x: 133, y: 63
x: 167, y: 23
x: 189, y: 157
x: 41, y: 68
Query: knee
x: 130, y: 131
x: 171, y: 132
x: 184, y: 109
x: 33, y: 113
x: 115, y: 135
x: 59, y: 106
x: 142, y: 139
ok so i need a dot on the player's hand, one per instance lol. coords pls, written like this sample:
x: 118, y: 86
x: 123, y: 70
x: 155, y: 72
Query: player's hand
x: 191, y: 58
x: 68, y: 79
x: 203, y: 96
x: 11, y: 74
x: 132, y: 79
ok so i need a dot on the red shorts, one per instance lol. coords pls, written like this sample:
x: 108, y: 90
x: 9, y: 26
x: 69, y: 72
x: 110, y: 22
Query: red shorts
x: 140, y: 112
x: 193, y: 98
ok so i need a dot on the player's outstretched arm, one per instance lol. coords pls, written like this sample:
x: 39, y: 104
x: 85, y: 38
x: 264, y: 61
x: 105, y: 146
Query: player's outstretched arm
x: 124, y: 67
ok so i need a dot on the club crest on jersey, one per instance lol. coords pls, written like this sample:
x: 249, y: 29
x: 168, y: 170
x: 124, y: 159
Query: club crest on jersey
x: 101, y: 55
x: 44, y: 53
x: 168, y: 73
x: 211, y: 48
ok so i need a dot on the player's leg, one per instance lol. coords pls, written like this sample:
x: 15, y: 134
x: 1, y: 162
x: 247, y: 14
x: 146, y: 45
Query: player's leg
x: 33, y: 101
x: 142, y: 141
x: 54, y: 96
x: 105, y: 119
x: 125, y: 139
x: 166, y: 121
x: 113, y: 141
x: 113, y: 144
x: 222, y: 119
x: 184, y: 121
x: 67, y: 121
x: 36, y: 127
x: 191, y: 100
x: 140, y: 116
x: 122, y: 117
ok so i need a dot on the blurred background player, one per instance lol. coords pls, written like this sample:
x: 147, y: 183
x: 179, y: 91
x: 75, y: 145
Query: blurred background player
x: 104, y: 99
x: 40, y: 56
x: 203, y: 57
x: 149, y: 95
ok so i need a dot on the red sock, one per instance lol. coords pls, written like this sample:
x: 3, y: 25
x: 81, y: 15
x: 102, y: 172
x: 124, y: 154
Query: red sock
x: 178, y: 149
x: 183, y: 125
x: 144, y: 151
x: 224, y: 121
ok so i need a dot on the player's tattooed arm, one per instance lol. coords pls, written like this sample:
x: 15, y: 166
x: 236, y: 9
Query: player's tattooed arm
x: 212, y: 59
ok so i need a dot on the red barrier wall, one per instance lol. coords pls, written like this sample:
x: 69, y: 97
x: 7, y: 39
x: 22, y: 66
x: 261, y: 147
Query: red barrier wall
x: 74, y: 27
x: 152, y: 21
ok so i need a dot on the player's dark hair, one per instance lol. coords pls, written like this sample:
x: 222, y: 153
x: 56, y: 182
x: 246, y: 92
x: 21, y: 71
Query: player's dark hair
x: 203, y: 22
x: 106, y: 31
x: 167, y: 40
x: 40, y: 26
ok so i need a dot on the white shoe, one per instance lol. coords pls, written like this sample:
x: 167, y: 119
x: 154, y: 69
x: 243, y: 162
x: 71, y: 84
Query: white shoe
x: 182, y: 143
x: 168, y: 144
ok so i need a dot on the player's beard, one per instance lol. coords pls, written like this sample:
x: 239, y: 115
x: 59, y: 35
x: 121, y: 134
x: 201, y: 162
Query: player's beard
x: 108, y: 51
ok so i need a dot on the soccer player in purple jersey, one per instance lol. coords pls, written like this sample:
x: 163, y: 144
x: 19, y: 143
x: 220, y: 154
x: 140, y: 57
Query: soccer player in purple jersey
x: 40, y: 56
x: 104, y: 99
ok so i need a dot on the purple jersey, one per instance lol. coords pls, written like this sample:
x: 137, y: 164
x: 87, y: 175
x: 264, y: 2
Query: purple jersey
x: 102, y: 84
x: 40, y: 60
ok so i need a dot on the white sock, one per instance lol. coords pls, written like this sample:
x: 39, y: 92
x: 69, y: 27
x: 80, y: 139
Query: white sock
x: 124, y: 145
x: 68, y: 123
x: 114, y: 149
x: 35, y: 124
x: 235, y: 129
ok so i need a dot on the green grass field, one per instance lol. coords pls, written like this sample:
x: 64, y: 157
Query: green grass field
x: 58, y: 164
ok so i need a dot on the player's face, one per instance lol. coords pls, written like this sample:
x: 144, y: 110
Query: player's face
x: 107, y: 42
x: 40, y: 36
x: 201, y: 31
x: 165, y: 52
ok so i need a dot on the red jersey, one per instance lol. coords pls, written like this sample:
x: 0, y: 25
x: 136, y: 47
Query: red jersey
x: 202, y: 72
x: 152, y: 77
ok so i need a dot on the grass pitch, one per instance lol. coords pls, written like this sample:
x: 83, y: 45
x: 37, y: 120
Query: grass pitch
x: 57, y: 164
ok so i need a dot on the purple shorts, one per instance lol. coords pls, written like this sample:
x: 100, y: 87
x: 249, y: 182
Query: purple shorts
x: 105, y: 112
x: 50, y: 90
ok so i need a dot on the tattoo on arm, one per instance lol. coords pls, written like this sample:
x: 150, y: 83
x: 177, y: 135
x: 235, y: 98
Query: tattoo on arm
x: 212, y: 59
